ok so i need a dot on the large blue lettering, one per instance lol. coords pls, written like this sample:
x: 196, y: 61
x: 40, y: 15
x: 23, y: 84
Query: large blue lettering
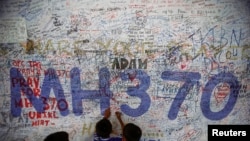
x: 137, y: 91
x: 104, y: 93
x: 190, y: 79
x: 19, y: 84
x: 232, y: 81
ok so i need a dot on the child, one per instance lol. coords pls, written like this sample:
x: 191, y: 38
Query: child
x: 104, y: 128
x: 131, y: 132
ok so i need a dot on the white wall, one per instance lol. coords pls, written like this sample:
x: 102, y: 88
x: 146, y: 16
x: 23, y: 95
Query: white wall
x: 187, y: 66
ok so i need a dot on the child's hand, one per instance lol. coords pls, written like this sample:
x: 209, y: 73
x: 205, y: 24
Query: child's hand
x: 107, y: 113
x: 118, y: 114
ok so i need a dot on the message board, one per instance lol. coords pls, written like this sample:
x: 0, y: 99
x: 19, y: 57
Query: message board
x: 173, y: 67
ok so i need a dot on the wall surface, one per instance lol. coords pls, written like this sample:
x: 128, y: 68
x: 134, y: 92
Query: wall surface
x: 171, y: 66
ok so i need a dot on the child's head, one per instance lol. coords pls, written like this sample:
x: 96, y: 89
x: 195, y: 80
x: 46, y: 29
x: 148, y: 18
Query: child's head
x: 132, y: 132
x: 103, y: 128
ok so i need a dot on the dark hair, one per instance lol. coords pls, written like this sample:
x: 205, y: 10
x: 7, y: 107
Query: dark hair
x: 103, y: 128
x: 132, y: 132
x: 58, y: 136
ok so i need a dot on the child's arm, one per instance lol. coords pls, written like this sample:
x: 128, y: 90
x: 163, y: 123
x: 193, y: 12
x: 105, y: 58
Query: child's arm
x: 118, y: 115
x: 107, y: 113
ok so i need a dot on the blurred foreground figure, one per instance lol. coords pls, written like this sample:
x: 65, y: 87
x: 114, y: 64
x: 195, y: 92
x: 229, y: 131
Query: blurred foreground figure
x: 57, y: 136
